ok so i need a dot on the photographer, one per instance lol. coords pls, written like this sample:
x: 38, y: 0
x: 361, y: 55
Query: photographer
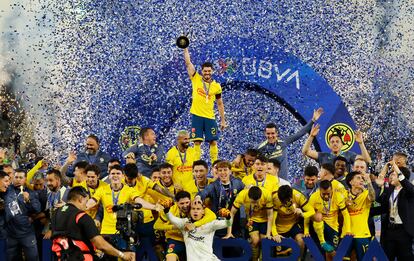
x: 74, y: 233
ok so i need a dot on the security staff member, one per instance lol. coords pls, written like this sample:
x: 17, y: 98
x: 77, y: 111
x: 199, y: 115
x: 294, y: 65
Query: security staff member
x: 74, y: 232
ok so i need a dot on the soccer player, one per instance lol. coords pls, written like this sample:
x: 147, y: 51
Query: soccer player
x: 182, y: 157
x: 359, y: 205
x: 307, y: 185
x: 242, y: 165
x: 290, y: 206
x: 93, y: 183
x: 148, y: 154
x: 205, y: 92
x: 327, y: 173
x: 222, y: 193
x: 174, y: 237
x: 274, y: 147
x: 200, y: 180
x: 273, y: 169
x: 335, y: 144
x: 341, y: 169
x: 199, y: 242
x: 259, y: 209
x: 327, y: 203
x: 260, y: 177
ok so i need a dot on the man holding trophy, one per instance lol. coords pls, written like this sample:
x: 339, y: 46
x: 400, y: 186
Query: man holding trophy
x: 205, y: 91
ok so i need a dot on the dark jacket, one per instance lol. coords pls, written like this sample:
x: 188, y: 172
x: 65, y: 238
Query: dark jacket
x: 100, y: 159
x: 17, y: 211
x: 142, y: 153
x: 213, y: 190
x: 405, y: 206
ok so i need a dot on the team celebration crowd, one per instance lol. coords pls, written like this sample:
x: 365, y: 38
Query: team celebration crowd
x: 184, y: 204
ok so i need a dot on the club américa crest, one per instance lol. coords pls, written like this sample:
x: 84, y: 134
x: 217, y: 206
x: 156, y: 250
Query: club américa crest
x: 344, y: 131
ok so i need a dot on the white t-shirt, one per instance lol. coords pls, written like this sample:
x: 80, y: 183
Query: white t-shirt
x: 199, y: 242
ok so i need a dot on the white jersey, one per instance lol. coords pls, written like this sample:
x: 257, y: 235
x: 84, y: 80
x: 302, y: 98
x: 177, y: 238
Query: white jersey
x: 199, y: 242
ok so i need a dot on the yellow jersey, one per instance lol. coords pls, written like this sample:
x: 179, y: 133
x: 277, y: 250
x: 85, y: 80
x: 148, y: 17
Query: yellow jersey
x: 182, y: 163
x: 193, y: 189
x: 256, y: 212
x: 155, y: 196
x: 339, y: 187
x: 285, y: 215
x: 79, y: 184
x: 358, y: 209
x: 330, y: 209
x: 270, y: 183
x: 204, y: 95
x: 142, y: 186
x: 108, y: 199
x: 171, y: 231
x: 93, y: 211
x: 241, y: 171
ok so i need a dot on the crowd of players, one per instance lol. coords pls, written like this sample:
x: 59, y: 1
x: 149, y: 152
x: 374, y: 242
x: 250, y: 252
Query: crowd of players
x: 338, y: 198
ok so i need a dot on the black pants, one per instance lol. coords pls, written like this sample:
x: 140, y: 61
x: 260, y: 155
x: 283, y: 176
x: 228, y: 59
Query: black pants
x: 397, y: 243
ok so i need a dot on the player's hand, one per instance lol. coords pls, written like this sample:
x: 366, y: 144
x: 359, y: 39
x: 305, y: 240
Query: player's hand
x: 317, y: 113
x: 71, y: 157
x: 60, y: 204
x: 298, y: 211
x: 315, y: 130
x: 359, y: 137
x: 48, y: 234
x: 189, y: 227
x: 177, y: 187
x: 223, y: 125
x: 277, y: 238
x: 306, y: 235
x: 228, y: 236
x: 97, y: 223
x: 158, y: 207
x: 130, y: 256
x: 26, y: 196
x: 224, y: 212
x: 237, y: 161
x: 153, y: 157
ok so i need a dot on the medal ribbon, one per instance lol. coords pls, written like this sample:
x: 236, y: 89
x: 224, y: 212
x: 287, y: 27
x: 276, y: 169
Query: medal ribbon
x: 183, y: 159
x: 206, y: 90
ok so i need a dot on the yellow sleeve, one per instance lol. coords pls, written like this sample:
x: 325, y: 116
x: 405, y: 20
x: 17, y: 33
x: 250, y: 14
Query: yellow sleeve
x: 133, y: 194
x: 208, y: 217
x: 162, y: 223
x: 269, y: 201
x: 318, y: 226
x: 274, y: 230
x: 98, y: 194
x: 308, y: 211
x: 346, y: 227
x: 32, y: 172
x: 238, y: 201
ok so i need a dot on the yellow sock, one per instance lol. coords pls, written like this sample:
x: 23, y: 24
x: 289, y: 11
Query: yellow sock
x: 197, y: 149
x: 213, y: 153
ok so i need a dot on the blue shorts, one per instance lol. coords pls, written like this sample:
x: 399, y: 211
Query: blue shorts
x: 296, y: 229
x: 175, y: 247
x: 360, y: 245
x: 331, y: 236
x: 203, y: 127
x: 256, y: 226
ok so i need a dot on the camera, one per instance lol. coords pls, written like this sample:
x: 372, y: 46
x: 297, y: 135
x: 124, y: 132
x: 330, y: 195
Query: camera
x: 127, y: 217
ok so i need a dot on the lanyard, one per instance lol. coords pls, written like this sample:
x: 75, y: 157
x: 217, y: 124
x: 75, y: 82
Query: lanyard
x: 226, y: 196
x: 206, y: 90
x: 257, y: 182
x: 326, y: 209
x: 115, y: 197
x: 53, y: 198
x: 183, y: 159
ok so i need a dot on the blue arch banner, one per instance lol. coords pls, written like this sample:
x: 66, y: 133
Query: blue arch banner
x: 296, y: 85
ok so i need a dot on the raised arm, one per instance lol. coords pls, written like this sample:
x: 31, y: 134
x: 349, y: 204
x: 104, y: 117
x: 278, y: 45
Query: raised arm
x: 163, y: 191
x: 145, y: 204
x: 306, y: 149
x: 64, y: 169
x: 190, y: 67
x: 371, y: 190
x: 294, y: 137
x: 364, y: 152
